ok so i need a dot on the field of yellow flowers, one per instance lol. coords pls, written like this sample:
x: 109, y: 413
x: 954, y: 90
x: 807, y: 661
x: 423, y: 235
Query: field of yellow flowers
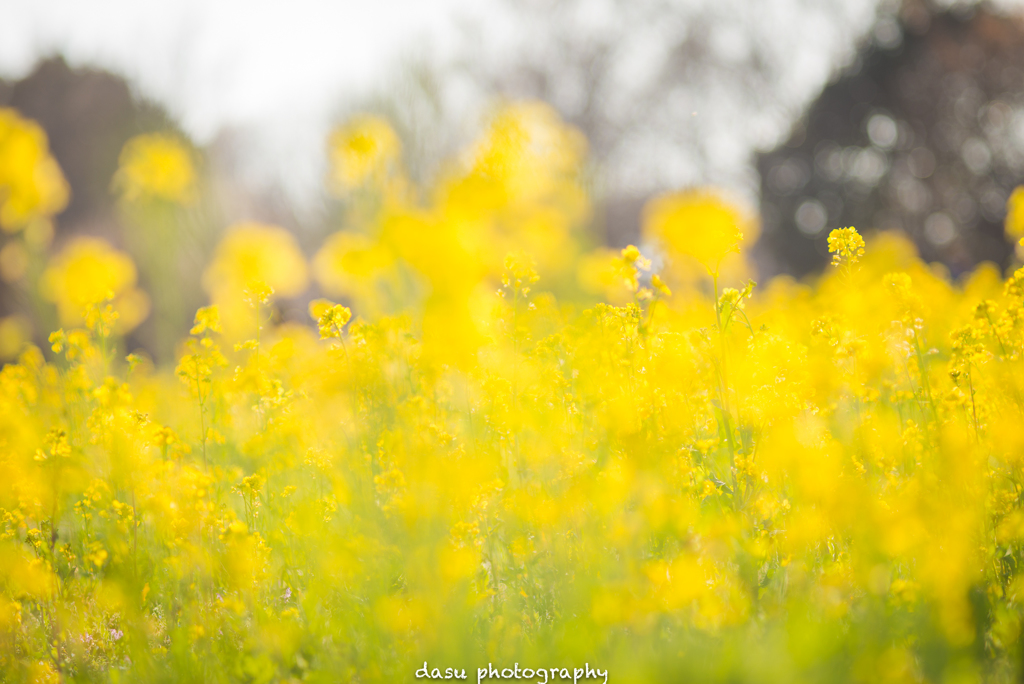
x: 505, y: 450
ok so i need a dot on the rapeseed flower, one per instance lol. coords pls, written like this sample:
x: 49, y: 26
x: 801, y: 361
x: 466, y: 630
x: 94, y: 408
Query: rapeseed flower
x: 156, y: 166
x: 32, y: 186
x: 253, y: 259
x: 89, y: 272
x: 699, y: 224
x: 364, y: 150
x: 846, y: 246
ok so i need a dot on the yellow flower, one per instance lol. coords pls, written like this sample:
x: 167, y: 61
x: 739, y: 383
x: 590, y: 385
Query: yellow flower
x: 253, y: 263
x: 519, y: 274
x: 614, y: 275
x: 256, y: 256
x: 15, y: 332
x: 349, y: 262
x: 1015, y: 215
x: 31, y: 183
x: 658, y: 284
x: 330, y: 317
x: 697, y: 223
x: 527, y: 152
x: 207, y: 318
x: 88, y: 272
x: 363, y: 150
x: 156, y: 166
x: 845, y: 245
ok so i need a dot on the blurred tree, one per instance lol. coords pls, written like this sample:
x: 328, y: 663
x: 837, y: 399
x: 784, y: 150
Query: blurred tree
x: 671, y: 93
x: 88, y: 115
x: 923, y: 133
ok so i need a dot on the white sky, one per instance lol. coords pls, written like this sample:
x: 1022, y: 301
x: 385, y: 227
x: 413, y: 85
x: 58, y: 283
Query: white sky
x: 221, y: 62
x: 273, y: 69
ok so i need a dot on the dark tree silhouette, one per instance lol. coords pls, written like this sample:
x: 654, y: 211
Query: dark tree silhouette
x: 924, y: 133
x: 88, y: 115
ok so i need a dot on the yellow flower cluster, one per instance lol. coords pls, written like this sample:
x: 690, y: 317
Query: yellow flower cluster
x: 89, y: 272
x: 253, y: 260
x: 363, y: 151
x: 156, y: 166
x: 698, y: 224
x: 1015, y: 218
x: 846, y: 246
x: 472, y: 461
x: 31, y: 183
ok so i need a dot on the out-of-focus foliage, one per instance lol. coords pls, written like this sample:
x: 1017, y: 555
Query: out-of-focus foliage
x: 473, y: 459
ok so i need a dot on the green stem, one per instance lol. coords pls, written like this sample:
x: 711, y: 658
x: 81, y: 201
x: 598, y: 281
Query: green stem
x: 724, y: 380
